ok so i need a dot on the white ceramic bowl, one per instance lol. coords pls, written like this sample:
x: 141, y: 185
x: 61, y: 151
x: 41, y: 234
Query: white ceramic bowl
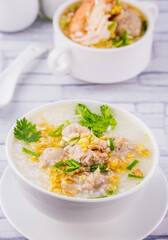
x: 48, y: 7
x: 16, y: 15
x: 68, y: 209
x: 102, y: 65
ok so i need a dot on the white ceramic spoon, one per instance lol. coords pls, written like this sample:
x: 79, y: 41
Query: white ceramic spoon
x: 10, y: 76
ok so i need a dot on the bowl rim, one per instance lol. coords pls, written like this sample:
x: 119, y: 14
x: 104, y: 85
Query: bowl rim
x: 137, y: 4
x: 83, y: 200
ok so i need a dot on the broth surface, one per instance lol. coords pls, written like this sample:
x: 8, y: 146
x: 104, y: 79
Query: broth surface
x: 112, y: 37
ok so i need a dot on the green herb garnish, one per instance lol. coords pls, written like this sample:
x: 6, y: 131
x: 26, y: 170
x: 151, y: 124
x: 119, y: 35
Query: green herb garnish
x: 57, y: 132
x: 59, y: 170
x: 98, y: 197
x: 111, y: 144
x: 64, y: 23
x: 30, y: 152
x: 54, y: 134
x: 134, y: 176
x: 114, y: 40
x: 135, y: 162
x: 119, y: 43
x: 122, y: 41
x: 112, y: 190
x: 98, y: 123
x: 72, y: 166
x: 26, y: 131
x: 59, y: 164
x: 72, y: 142
x: 125, y: 39
x: 69, y: 163
x: 71, y: 169
x: 91, y: 136
x: 76, y: 164
x: 111, y: 25
x: 145, y: 25
x: 67, y: 122
x: 101, y: 167
x: 147, y: 136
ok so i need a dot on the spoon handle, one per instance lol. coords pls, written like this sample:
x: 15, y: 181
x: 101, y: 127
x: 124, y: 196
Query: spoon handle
x: 10, y: 76
x: 24, y: 58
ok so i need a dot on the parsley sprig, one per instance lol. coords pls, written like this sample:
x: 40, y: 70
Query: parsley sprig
x: 96, y: 122
x: 26, y: 131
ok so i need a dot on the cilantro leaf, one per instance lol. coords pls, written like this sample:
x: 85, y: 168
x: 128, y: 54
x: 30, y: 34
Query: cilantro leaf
x: 26, y: 131
x: 96, y: 122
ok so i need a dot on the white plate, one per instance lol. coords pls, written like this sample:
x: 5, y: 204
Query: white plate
x: 141, y: 220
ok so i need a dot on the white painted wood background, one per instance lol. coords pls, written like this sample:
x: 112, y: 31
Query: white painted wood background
x: 145, y: 95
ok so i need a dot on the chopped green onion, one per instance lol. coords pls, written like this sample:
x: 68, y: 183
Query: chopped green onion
x: 91, y: 136
x: 72, y: 166
x: 71, y: 169
x: 76, y: 164
x: 69, y: 163
x: 72, y: 142
x: 145, y: 25
x: 135, y: 162
x: 138, y: 183
x: 101, y: 167
x: 125, y: 35
x: 126, y: 40
x: 112, y: 190
x: 114, y: 41
x: 30, y: 152
x: 98, y: 197
x: 59, y: 170
x: 59, y: 128
x: 146, y: 135
x: 67, y: 122
x: 112, y: 24
x: 134, y: 176
x: 111, y: 144
x: 120, y: 43
x: 55, y: 133
x: 63, y: 23
x: 59, y: 164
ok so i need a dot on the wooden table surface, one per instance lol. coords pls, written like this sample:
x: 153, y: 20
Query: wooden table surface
x: 145, y: 95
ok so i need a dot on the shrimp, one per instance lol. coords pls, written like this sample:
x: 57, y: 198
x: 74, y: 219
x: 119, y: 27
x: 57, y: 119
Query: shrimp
x: 80, y: 18
x: 89, y: 24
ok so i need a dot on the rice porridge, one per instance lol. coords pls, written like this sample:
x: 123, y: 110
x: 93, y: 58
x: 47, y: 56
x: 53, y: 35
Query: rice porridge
x: 82, y: 151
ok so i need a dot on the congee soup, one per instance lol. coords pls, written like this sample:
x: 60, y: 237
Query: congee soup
x: 82, y: 151
x: 103, y: 23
